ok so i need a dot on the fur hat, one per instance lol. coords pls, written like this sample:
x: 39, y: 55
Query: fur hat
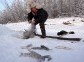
x: 31, y: 4
x: 35, y: 4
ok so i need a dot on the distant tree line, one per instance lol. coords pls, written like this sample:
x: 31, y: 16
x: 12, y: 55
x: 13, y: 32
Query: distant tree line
x: 16, y: 12
x: 64, y: 7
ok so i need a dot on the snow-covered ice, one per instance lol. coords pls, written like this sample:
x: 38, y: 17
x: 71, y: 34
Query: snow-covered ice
x: 61, y: 51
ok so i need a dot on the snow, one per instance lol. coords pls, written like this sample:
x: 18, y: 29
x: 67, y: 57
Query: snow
x: 11, y: 41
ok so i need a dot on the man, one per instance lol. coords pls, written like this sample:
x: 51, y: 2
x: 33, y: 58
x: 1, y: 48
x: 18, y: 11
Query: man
x: 38, y: 16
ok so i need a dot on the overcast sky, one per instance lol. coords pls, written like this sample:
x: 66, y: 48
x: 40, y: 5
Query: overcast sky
x: 2, y: 3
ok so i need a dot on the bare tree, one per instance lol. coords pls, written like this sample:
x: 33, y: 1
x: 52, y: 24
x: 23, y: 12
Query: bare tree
x: 17, y: 12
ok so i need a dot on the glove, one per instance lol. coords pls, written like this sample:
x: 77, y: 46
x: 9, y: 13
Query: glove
x: 30, y: 21
x: 33, y: 22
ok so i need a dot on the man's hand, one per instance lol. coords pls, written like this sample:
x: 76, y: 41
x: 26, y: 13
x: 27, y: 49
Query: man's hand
x: 30, y: 21
x: 33, y: 22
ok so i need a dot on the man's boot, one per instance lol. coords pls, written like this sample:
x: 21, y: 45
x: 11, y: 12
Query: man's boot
x: 43, y: 31
x: 43, y: 34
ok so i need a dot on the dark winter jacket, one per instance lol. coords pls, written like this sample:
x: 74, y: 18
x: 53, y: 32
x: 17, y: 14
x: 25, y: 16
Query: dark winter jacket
x: 41, y: 16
